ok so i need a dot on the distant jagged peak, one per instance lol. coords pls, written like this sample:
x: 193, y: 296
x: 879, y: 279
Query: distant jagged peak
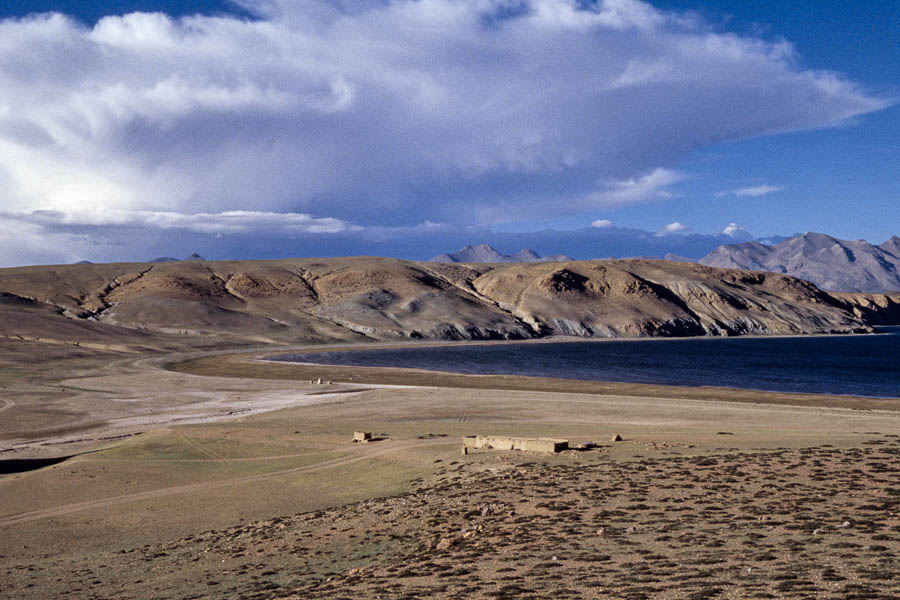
x: 526, y: 255
x: 829, y: 262
x: 892, y: 246
x: 165, y: 259
x: 557, y: 258
x: 485, y: 253
x: 816, y: 236
x: 824, y: 240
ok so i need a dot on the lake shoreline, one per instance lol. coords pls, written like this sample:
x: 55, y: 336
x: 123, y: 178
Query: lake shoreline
x: 252, y: 366
x: 784, y: 364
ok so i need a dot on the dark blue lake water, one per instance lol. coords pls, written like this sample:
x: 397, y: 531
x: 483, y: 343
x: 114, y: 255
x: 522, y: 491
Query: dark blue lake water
x: 860, y: 365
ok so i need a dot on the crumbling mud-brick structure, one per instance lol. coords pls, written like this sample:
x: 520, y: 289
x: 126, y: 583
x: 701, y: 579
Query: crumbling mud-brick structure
x: 495, y: 442
x: 362, y: 436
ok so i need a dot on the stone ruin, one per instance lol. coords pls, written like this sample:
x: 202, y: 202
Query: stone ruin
x: 493, y: 442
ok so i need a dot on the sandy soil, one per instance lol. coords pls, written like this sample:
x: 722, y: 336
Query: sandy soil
x: 132, y: 396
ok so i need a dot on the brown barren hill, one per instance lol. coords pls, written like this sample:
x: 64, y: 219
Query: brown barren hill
x: 344, y: 299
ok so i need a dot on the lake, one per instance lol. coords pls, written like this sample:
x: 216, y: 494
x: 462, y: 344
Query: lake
x: 859, y: 365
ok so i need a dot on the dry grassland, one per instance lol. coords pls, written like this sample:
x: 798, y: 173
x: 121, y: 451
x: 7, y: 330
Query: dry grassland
x: 178, y: 485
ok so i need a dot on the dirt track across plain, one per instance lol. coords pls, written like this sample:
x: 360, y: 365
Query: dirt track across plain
x: 365, y: 454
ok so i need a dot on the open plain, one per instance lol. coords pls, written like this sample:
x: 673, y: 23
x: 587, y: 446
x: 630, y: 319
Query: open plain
x: 181, y: 482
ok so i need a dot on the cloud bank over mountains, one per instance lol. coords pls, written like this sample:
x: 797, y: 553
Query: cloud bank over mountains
x: 320, y: 120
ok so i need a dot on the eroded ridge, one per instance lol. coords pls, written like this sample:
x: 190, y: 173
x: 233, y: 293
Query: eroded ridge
x: 819, y: 522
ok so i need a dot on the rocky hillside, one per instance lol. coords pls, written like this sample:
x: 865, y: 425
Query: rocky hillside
x: 874, y: 309
x: 830, y: 263
x: 308, y: 300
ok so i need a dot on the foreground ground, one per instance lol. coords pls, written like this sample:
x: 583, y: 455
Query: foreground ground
x: 818, y: 522
x: 179, y: 486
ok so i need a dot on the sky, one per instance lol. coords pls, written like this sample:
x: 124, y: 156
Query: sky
x: 279, y: 128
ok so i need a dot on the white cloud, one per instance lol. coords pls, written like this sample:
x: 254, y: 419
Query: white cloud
x: 388, y: 113
x: 235, y: 221
x: 672, y: 228
x: 752, y: 191
x: 733, y: 230
x: 602, y: 223
x: 632, y: 191
x: 759, y: 190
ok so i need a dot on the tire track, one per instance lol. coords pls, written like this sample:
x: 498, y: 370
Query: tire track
x: 200, y: 447
x: 365, y: 454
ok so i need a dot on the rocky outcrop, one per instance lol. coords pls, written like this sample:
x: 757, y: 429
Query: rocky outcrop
x: 874, y: 309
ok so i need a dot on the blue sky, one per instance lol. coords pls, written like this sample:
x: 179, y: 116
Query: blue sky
x: 274, y: 128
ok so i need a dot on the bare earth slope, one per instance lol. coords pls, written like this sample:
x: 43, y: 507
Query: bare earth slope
x: 143, y: 305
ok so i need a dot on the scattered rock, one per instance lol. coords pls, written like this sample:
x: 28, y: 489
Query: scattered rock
x: 445, y: 544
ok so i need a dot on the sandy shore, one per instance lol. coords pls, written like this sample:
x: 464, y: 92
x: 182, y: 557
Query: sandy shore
x: 257, y: 365
x: 109, y: 399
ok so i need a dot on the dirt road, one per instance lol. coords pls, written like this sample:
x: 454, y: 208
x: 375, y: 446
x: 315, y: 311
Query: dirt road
x: 360, y: 454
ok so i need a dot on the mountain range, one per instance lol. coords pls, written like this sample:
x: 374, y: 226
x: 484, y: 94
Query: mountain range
x: 830, y: 263
x: 171, y: 305
x: 165, y: 259
x: 485, y: 253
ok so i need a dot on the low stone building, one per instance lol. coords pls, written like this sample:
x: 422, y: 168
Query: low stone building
x: 488, y: 442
